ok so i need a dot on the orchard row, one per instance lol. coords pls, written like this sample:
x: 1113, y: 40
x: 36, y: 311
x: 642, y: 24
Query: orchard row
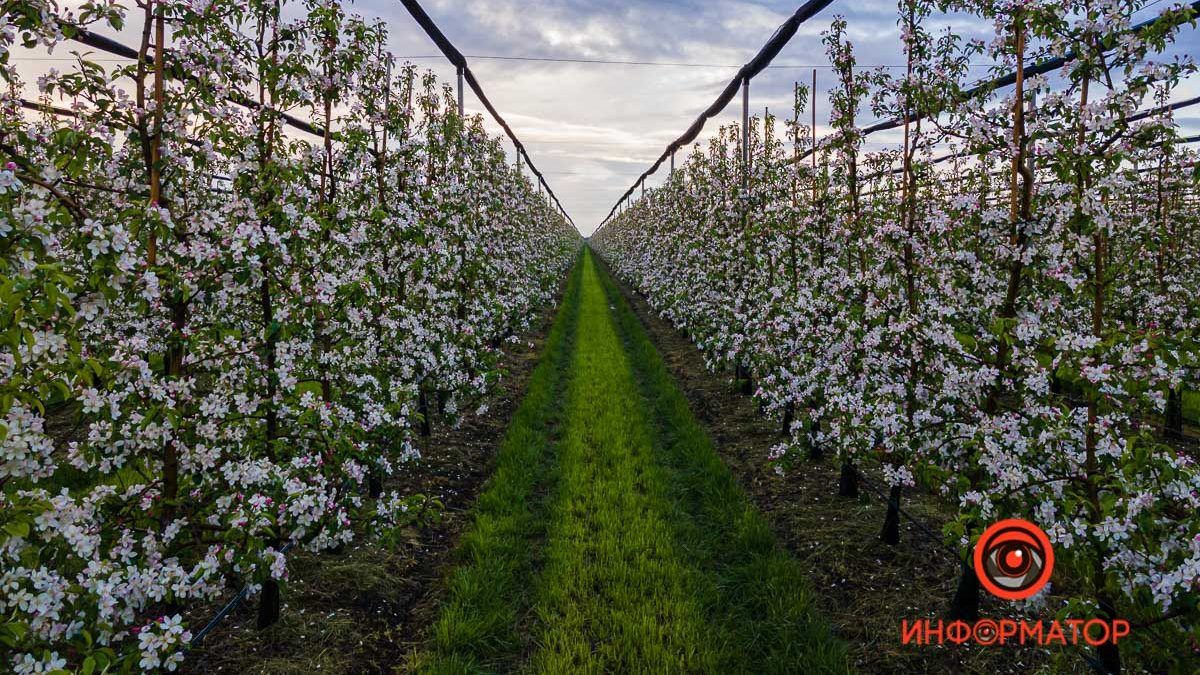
x: 219, y: 334
x: 1002, y: 309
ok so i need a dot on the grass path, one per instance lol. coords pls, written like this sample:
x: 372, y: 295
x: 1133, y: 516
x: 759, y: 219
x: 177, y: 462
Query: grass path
x: 612, y: 539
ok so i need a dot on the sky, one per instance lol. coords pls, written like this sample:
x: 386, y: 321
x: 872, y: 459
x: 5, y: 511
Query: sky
x: 593, y: 128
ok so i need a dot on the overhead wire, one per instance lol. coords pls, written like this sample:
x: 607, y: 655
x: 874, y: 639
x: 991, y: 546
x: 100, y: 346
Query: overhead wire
x: 1040, y: 68
x: 664, y: 64
x: 983, y: 87
x: 118, y: 49
x: 782, y: 35
x: 581, y: 61
x: 459, y: 61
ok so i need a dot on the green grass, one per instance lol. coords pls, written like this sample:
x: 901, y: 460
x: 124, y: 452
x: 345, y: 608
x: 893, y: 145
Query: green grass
x: 478, y: 628
x: 647, y: 557
x: 1191, y: 406
x: 763, y: 602
x: 618, y: 593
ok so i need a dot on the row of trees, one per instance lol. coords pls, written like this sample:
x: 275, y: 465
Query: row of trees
x: 1012, y: 323
x: 219, y: 334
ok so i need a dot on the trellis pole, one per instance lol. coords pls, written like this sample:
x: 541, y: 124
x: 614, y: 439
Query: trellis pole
x: 461, y: 108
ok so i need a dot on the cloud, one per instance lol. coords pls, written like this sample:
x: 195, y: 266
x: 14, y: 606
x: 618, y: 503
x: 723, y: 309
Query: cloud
x: 591, y: 128
x: 614, y: 120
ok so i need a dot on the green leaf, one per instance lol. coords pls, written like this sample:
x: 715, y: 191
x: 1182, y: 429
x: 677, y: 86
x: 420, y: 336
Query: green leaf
x: 16, y: 631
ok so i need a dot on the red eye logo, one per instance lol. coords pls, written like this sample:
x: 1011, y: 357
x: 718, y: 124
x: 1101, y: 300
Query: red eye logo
x: 1013, y: 559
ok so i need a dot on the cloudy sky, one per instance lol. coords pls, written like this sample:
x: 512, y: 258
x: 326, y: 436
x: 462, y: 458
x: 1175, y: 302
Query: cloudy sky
x: 592, y: 128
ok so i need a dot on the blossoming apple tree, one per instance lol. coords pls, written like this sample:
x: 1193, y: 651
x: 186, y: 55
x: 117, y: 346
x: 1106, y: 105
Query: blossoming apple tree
x: 221, y: 329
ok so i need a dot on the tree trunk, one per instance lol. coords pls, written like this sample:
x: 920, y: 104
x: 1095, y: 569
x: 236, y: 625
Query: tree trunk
x: 1109, y: 653
x: 815, y: 452
x: 743, y: 381
x: 374, y: 483
x: 891, y: 521
x: 423, y: 410
x: 1173, y: 421
x: 848, y: 484
x: 268, y: 604
x: 965, y: 606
